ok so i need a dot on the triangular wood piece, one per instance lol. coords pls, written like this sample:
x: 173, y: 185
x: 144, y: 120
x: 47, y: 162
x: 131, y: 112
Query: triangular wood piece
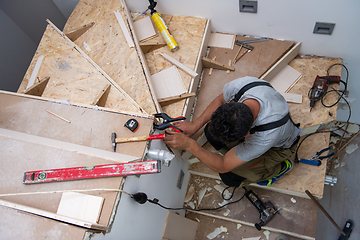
x: 208, y: 63
x: 76, y: 33
x: 38, y: 88
x: 149, y: 47
x: 102, y: 96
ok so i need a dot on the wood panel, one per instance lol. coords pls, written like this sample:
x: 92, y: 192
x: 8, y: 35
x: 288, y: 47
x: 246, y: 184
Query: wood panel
x: 188, y: 33
x: 72, y: 77
x: 254, y: 63
x: 107, y: 46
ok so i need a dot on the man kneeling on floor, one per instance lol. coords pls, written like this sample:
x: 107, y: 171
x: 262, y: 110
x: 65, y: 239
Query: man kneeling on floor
x: 250, y: 125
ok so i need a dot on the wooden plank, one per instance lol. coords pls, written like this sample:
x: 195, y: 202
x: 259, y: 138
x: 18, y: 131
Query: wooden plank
x: 38, y: 88
x: 35, y: 71
x: 179, y: 64
x: 144, y: 28
x: 292, y: 98
x: 80, y: 206
x: 149, y: 47
x: 167, y: 83
x: 285, y: 79
x: 208, y: 63
x: 54, y: 216
x: 222, y: 40
x: 170, y: 100
x: 128, y: 38
x: 76, y: 33
x: 116, y: 157
x: 290, y: 55
x: 142, y: 58
x: 179, y: 228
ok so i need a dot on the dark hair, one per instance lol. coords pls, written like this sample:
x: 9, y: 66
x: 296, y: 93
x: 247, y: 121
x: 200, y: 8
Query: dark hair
x: 231, y: 122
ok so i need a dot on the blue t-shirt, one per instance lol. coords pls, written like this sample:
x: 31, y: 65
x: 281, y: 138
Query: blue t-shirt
x: 273, y: 107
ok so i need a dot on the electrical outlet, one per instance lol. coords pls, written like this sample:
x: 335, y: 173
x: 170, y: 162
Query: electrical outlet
x: 248, y: 6
x: 324, y: 28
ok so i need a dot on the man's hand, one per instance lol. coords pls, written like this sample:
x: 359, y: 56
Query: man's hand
x: 177, y: 140
x: 188, y: 128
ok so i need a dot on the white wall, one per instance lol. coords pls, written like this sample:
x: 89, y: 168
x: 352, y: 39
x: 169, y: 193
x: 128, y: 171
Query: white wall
x: 284, y: 19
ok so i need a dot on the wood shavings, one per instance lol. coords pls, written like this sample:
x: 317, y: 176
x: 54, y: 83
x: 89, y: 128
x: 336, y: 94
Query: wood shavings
x: 351, y: 148
x: 218, y: 181
x: 189, y: 194
x: 252, y: 238
x: 293, y: 200
x: 201, y: 195
x: 216, y: 232
x: 191, y: 204
x: 267, y: 234
x: 238, y: 225
x: 193, y: 160
x: 226, y: 213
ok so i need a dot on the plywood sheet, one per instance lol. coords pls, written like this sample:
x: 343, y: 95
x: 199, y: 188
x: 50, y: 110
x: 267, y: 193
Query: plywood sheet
x: 309, y: 67
x: 144, y: 28
x: 72, y: 77
x: 167, y: 83
x: 222, y: 40
x: 254, y: 63
x: 107, y: 47
x: 80, y: 206
x: 179, y: 228
x: 88, y: 127
x: 188, y: 33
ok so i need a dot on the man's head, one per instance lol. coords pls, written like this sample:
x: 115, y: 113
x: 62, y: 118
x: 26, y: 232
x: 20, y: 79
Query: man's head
x: 231, y: 122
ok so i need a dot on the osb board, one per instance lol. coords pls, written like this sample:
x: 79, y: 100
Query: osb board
x: 297, y: 215
x: 188, y: 33
x: 309, y: 67
x: 72, y: 77
x: 254, y: 63
x: 18, y: 225
x: 87, y: 127
x: 302, y: 176
x: 106, y: 45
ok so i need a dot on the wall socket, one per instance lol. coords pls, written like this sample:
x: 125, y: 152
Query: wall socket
x: 248, y: 6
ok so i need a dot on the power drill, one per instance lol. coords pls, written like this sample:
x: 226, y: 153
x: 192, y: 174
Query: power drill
x: 320, y: 87
x: 266, y: 210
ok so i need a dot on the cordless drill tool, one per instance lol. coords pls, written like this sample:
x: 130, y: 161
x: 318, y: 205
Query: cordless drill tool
x: 266, y: 210
x: 320, y: 87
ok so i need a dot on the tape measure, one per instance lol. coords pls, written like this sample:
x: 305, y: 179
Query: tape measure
x: 132, y: 124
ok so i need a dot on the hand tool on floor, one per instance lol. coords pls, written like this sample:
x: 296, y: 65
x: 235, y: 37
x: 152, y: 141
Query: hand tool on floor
x: 166, y: 122
x: 132, y: 124
x: 253, y: 40
x: 97, y: 171
x: 316, y: 159
x: 329, y: 217
x: 244, y: 45
x: 319, y: 88
x: 266, y: 210
x: 115, y: 140
x: 160, y: 24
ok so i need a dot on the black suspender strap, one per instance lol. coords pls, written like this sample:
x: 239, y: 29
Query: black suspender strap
x: 267, y: 126
x: 270, y: 125
x: 247, y: 87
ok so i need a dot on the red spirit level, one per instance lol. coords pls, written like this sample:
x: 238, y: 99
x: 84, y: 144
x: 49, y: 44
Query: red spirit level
x: 97, y: 171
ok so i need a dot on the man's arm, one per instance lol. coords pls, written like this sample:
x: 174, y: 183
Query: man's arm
x: 189, y: 128
x: 212, y: 160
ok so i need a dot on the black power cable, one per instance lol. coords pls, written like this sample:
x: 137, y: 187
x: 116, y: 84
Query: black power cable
x: 142, y: 198
x: 341, y: 96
